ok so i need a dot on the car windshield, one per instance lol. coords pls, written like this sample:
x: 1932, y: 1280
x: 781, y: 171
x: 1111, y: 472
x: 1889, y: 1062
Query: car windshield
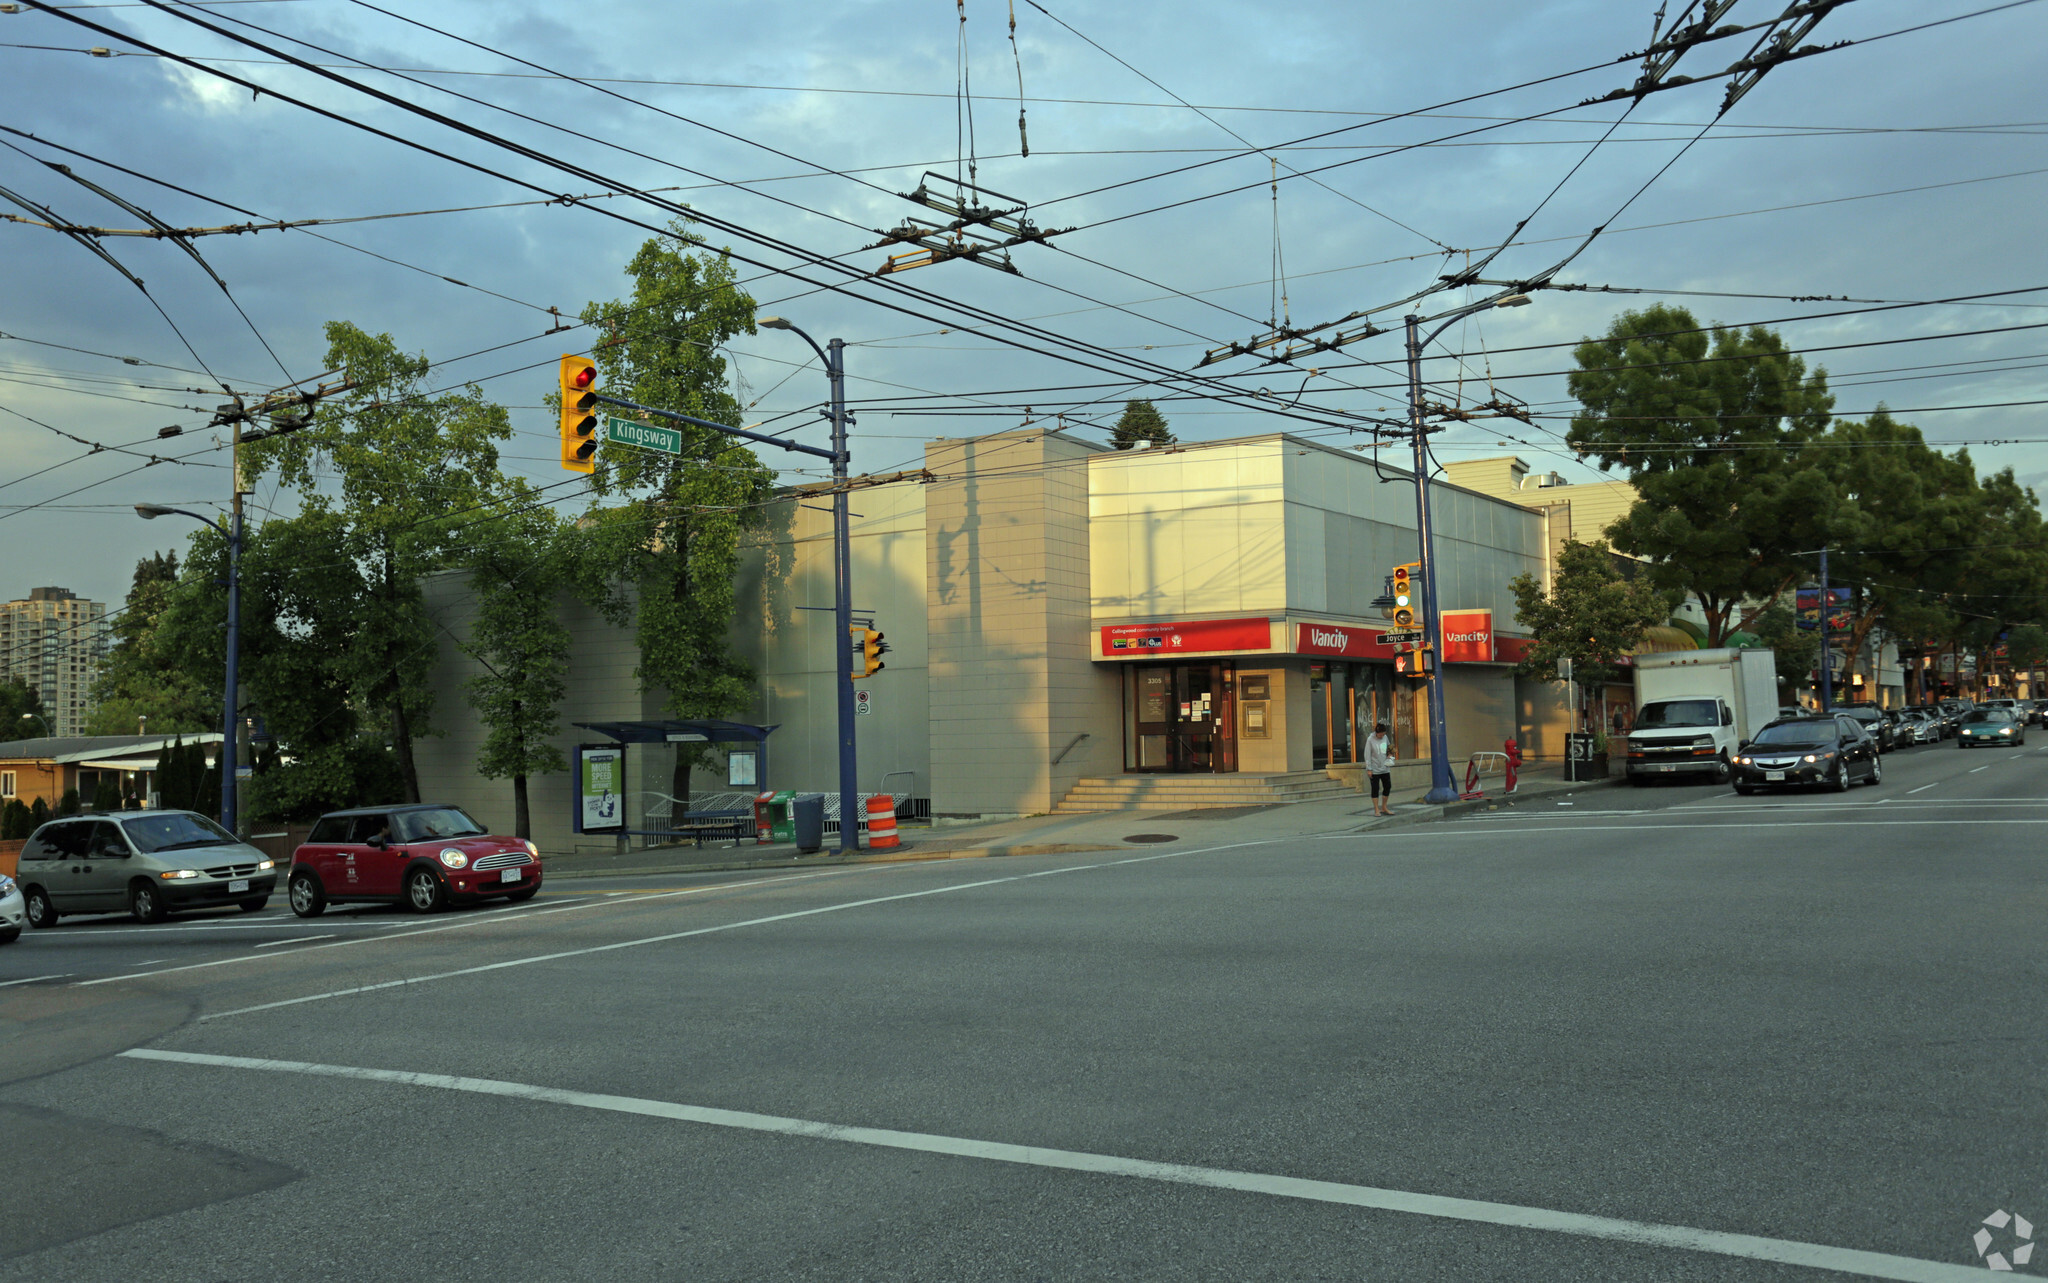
x: 438, y: 822
x: 1796, y: 733
x: 1865, y: 714
x: 174, y: 831
x: 1678, y: 712
x: 1976, y: 715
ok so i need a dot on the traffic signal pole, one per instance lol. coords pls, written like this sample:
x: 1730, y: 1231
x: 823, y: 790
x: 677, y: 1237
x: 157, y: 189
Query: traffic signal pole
x: 1440, y: 787
x: 1827, y: 665
x: 842, y: 598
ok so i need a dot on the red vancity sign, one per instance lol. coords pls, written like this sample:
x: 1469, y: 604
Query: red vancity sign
x: 1468, y: 636
x: 1134, y: 641
x: 1346, y: 640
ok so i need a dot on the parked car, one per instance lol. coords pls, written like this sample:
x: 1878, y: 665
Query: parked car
x: 151, y: 863
x: 13, y: 910
x: 1944, y: 724
x: 1919, y: 726
x: 1874, y: 722
x: 1826, y: 751
x: 420, y: 857
x: 1990, y: 726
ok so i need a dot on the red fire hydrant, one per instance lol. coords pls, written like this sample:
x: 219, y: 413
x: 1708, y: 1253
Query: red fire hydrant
x: 1514, y: 752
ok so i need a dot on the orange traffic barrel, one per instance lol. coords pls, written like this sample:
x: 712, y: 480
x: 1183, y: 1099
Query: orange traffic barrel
x: 881, y: 822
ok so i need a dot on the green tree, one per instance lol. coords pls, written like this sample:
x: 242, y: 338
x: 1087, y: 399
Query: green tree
x: 1593, y: 614
x: 514, y: 566
x: 139, y: 679
x: 664, y: 556
x: 14, y: 821
x: 38, y: 814
x: 1795, y: 650
x: 1712, y: 428
x: 1140, y: 421
x: 397, y: 467
x: 69, y: 803
x: 22, y: 715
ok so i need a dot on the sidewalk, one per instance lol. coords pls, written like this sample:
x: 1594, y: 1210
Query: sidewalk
x: 1059, y: 834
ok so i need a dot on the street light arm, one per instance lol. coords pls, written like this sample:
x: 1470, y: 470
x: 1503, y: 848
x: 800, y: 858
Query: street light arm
x: 777, y: 323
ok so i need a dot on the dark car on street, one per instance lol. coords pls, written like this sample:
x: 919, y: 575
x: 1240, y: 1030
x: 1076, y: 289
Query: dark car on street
x: 1875, y: 724
x: 420, y: 857
x: 1823, y: 751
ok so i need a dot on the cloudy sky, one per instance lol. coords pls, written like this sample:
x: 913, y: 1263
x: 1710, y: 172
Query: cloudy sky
x: 1895, y: 170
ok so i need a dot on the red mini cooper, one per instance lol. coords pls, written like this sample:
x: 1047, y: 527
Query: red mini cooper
x: 420, y: 857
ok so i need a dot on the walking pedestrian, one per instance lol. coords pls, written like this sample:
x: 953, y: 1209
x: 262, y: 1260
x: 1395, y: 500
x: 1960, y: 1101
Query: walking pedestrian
x: 1379, y: 768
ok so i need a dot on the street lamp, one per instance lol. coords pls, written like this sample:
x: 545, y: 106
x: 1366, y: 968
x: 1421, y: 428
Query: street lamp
x: 229, y: 741
x: 40, y: 718
x: 1441, y: 788
x: 833, y: 354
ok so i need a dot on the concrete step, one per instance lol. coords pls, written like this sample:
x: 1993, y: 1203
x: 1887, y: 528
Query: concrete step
x: 1190, y: 792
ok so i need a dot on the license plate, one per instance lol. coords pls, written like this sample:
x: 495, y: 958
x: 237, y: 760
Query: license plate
x: 238, y: 885
x: 1774, y: 775
x: 1667, y: 769
x: 509, y: 875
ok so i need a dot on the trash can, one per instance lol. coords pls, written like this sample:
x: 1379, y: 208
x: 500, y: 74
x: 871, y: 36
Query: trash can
x: 781, y: 823
x: 809, y: 813
x: 1580, y: 761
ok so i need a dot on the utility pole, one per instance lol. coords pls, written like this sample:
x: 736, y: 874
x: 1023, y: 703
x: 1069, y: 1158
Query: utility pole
x: 1827, y: 660
x: 842, y: 599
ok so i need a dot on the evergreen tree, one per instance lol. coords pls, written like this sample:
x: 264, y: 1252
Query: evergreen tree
x: 1140, y: 421
x: 14, y: 821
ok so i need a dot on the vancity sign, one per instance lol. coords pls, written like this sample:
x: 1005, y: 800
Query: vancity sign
x: 1468, y: 639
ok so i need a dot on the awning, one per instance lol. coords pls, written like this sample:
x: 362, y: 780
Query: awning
x: 680, y: 731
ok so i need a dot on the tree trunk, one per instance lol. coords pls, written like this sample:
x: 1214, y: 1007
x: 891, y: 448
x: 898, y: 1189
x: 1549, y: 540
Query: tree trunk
x: 522, y: 822
x: 401, y: 747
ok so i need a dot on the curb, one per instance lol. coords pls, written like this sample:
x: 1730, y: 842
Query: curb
x: 1427, y: 814
x: 904, y: 854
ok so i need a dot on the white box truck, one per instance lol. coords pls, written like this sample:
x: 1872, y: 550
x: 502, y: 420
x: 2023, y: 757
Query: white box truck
x: 1694, y: 708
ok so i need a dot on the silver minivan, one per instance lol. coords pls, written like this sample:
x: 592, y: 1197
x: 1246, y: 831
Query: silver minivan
x: 150, y: 863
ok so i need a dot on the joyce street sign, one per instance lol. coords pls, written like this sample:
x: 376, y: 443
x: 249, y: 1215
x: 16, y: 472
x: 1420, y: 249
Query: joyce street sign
x: 647, y: 436
x: 1409, y: 637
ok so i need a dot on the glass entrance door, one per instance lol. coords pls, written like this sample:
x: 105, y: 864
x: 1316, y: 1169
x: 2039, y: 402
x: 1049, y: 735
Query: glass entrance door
x: 1181, y: 718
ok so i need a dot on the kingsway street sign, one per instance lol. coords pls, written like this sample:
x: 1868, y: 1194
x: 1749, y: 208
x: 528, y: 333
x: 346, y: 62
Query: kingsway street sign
x: 644, y: 435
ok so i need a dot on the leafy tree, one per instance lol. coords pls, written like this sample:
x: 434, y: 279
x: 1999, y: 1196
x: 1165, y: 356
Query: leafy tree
x: 106, y: 795
x: 38, y: 814
x: 14, y: 821
x: 1140, y: 421
x: 408, y: 464
x: 666, y: 556
x: 17, y: 702
x: 69, y: 803
x: 139, y: 679
x: 1593, y: 615
x: 514, y: 566
x: 1712, y: 429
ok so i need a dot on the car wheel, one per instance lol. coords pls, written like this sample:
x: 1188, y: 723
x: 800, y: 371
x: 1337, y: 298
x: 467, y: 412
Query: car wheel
x: 41, y: 913
x: 1840, y: 782
x: 1744, y: 789
x: 10, y: 936
x: 523, y: 894
x: 1639, y: 781
x: 1876, y: 770
x: 424, y: 892
x: 146, y: 903
x: 252, y: 906
x: 308, y: 900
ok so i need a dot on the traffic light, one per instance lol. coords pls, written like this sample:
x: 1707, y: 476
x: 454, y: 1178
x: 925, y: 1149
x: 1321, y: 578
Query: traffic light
x: 1415, y: 663
x: 872, y: 648
x: 579, y: 413
x: 1407, y: 594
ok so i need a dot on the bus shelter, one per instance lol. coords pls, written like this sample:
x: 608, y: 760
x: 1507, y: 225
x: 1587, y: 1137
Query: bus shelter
x: 603, y: 804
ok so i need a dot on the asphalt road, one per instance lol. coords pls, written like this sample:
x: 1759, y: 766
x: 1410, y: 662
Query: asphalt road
x: 1664, y: 1033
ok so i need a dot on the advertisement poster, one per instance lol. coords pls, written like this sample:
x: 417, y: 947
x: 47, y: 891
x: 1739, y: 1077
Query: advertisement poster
x: 602, y: 784
x: 1840, y: 612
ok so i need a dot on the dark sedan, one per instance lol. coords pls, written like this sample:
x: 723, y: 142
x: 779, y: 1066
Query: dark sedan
x: 1829, y: 752
x: 1875, y: 724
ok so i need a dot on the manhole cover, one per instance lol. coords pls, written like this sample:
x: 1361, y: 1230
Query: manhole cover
x: 1152, y: 837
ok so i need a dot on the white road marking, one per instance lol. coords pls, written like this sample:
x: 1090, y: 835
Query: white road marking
x: 473, y: 922
x: 32, y: 979
x: 1973, y: 770
x: 1823, y: 822
x: 1647, y: 1233
x: 1922, y: 789
x: 721, y: 927
x: 272, y: 944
